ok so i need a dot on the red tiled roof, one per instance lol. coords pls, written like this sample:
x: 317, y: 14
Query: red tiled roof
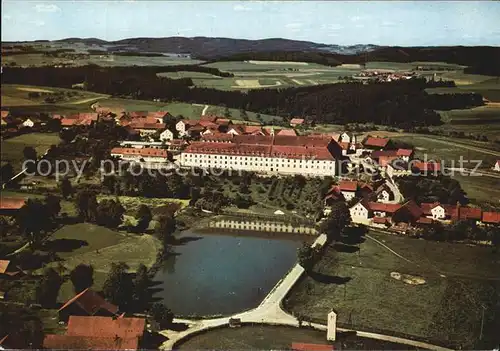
x: 299, y: 152
x: 427, y: 166
x: 5, y: 114
x: 217, y: 136
x: 383, y: 161
x: 223, y: 121
x: 140, y: 152
x: 425, y: 220
x: 297, y: 121
x: 11, y: 203
x: 208, y: 124
x: 380, y: 220
x: 348, y: 185
x: 72, y: 342
x: 135, y: 114
x: 296, y: 346
x: 463, y: 213
x: 413, y: 209
x: 253, y: 129
x: 373, y: 141
x: 90, y: 302
x: 389, y: 208
x: 404, y: 152
x: 96, y: 326
x: 139, y: 124
x: 158, y: 114
x: 491, y: 217
x: 428, y: 206
x: 383, y: 153
x: 208, y: 118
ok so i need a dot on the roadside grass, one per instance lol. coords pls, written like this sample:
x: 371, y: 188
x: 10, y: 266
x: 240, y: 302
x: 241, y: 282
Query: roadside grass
x: 12, y: 149
x: 267, y: 337
x: 447, y: 151
x: 369, y: 299
x: 481, y: 189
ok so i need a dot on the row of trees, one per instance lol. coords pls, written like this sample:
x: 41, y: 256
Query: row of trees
x: 462, y: 230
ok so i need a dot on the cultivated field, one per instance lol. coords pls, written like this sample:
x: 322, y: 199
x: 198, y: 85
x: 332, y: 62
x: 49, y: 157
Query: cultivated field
x: 487, y: 86
x: 446, y: 309
x: 12, y: 149
x: 185, y: 109
x: 483, y: 120
x: 101, y: 60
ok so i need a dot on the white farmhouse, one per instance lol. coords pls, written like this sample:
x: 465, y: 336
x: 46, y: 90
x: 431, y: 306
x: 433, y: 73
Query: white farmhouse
x: 166, y: 135
x: 360, y: 211
x: 28, y: 123
x: 497, y: 166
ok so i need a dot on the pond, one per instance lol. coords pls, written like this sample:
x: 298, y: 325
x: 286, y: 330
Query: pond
x: 224, y: 272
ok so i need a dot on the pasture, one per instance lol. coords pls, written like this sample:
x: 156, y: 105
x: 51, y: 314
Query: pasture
x: 14, y: 95
x: 12, y: 149
x: 487, y: 86
x: 356, y: 280
x: 99, y: 246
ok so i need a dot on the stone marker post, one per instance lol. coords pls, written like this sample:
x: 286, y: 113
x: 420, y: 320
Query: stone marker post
x: 332, y: 326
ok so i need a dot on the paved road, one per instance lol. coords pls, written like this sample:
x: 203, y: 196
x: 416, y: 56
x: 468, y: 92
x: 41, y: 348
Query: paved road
x: 205, y: 110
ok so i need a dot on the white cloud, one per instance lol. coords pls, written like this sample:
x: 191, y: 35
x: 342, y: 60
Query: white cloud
x: 46, y: 8
x: 7, y: 17
x: 388, y: 23
x: 241, y: 7
x: 293, y: 25
x: 38, y: 23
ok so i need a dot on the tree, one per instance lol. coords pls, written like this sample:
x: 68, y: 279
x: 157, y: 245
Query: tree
x: 142, y: 283
x: 86, y: 204
x: 339, y: 218
x: 66, y: 188
x: 306, y: 256
x: 165, y: 228
x: 6, y: 172
x: 109, y: 213
x: 143, y: 216
x: 161, y: 314
x: 34, y: 220
x: 53, y: 204
x: 82, y: 277
x: 29, y: 154
x: 48, y: 287
x: 118, y: 287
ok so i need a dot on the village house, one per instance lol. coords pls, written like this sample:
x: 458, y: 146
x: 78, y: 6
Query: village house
x: 99, y: 333
x: 87, y: 303
x: 436, y: 210
x: 166, y: 135
x: 10, y: 206
x: 491, y: 218
x: 28, y: 123
x: 148, y: 157
x: 79, y: 119
x: 375, y: 143
x: 295, y: 122
x: 348, y: 188
x: 425, y: 168
x: 142, y: 144
x: 409, y: 213
x: 384, y: 194
x: 289, y: 132
x: 5, y: 117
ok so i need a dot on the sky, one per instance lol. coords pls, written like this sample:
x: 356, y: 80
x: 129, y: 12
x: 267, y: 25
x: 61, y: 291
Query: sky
x: 405, y: 23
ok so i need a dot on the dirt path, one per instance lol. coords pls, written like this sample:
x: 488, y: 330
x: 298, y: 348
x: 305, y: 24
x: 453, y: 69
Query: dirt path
x: 388, y: 248
x: 83, y: 101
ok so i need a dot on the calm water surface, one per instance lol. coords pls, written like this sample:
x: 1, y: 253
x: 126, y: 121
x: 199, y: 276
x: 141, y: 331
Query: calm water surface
x: 224, y: 273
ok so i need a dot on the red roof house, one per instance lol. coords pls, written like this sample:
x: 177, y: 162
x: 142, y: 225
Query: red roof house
x: 87, y: 303
x: 99, y: 333
x: 296, y: 122
x: 376, y: 143
x: 298, y: 346
x: 348, y: 185
x: 462, y: 213
x: 11, y: 205
x: 7, y: 270
x: 491, y: 217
